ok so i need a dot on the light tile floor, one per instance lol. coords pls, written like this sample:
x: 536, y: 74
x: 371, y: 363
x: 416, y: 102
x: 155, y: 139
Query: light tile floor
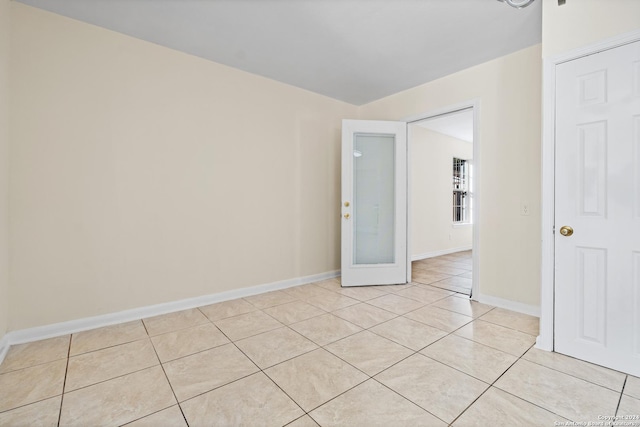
x: 452, y: 272
x: 411, y: 355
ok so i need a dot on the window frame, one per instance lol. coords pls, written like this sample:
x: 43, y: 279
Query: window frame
x: 460, y: 201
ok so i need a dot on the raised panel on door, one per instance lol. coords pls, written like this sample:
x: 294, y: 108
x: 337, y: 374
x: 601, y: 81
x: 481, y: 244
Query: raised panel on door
x: 591, y: 291
x: 597, y: 291
x: 636, y: 305
x: 636, y: 165
x: 592, y: 167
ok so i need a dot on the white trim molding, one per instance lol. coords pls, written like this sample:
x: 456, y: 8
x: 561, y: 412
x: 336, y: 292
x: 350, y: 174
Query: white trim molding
x: 545, y: 340
x: 4, y: 347
x: 475, y: 104
x: 78, y: 325
x: 434, y: 254
x: 531, y: 310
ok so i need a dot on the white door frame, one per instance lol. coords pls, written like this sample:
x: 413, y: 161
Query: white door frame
x: 545, y: 340
x: 475, y: 104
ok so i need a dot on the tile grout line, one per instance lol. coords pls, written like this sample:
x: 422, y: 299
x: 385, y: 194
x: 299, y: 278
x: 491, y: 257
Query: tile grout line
x: 369, y: 377
x: 411, y: 355
x: 267, y: 375
x: 109, y: 379
x: 282, y: 361
x: 33, y: 366
x: 110, y: 346
x: 339, y: 394
x: 216, y: 388
x: 43, y: 398
x: 573, y: 376
x: 624, y: 384
x: 414, y: 351
x: 174, y: 331
x: 400, y: 344
x: 492, y: 384
x: 407, y: 399
x: 332, y: 314
x: 64, y: 382
x: 228, y: 317
x: 165, y: 376
x: 486, y: 345
x: 286, y: 394
x: 231, y: 382
x: 377, y: 373
x: 458, y: 370
x: 522, y: 398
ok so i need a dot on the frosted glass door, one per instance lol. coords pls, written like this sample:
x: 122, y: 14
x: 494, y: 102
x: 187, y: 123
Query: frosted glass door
x: 374, y: 205
x: 374, y: 199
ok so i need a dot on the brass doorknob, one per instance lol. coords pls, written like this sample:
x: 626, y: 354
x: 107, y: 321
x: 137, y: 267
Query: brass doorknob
x: 566, y: 231
x: 347, y: 216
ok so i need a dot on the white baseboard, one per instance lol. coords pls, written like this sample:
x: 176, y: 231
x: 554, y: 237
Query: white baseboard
x: 4, y: 347
x: 532, y: 310
x: 434, y: 254
x: 78, y: 325
x: 542, y: 343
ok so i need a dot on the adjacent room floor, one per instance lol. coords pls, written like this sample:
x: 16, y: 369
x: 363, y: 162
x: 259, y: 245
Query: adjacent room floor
x: 452, y: 272
x: 317, y: 354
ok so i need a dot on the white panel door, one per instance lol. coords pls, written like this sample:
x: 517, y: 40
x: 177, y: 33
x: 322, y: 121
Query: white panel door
x: 597, y: 281
x: 374, y: 202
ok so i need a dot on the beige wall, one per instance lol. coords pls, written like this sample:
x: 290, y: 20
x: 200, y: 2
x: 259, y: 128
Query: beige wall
x: 432, y: 229
x: 582, y: 22
x: 5, y: 8
x: 509, y: 90
x: 142, y: 175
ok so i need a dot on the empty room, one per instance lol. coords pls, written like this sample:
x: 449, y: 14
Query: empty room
x: 319, y: 213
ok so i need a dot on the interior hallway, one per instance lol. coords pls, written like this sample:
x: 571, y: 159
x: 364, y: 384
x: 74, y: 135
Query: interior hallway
x: 317, y: 354
x: 452, y: 272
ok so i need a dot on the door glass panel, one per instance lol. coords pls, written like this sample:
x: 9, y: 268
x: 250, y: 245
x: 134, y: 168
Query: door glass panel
x: 374, y: 197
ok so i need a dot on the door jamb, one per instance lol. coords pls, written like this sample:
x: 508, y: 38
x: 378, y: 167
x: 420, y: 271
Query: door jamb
x: 475, y: 105
x: 546, y: 339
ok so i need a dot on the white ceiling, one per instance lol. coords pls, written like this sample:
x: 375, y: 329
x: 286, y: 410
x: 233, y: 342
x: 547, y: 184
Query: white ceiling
x: 458, y: 125
x: 352, y: 50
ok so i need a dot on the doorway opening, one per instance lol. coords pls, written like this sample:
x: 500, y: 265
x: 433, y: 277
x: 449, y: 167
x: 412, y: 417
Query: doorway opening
x: 443, y: 200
